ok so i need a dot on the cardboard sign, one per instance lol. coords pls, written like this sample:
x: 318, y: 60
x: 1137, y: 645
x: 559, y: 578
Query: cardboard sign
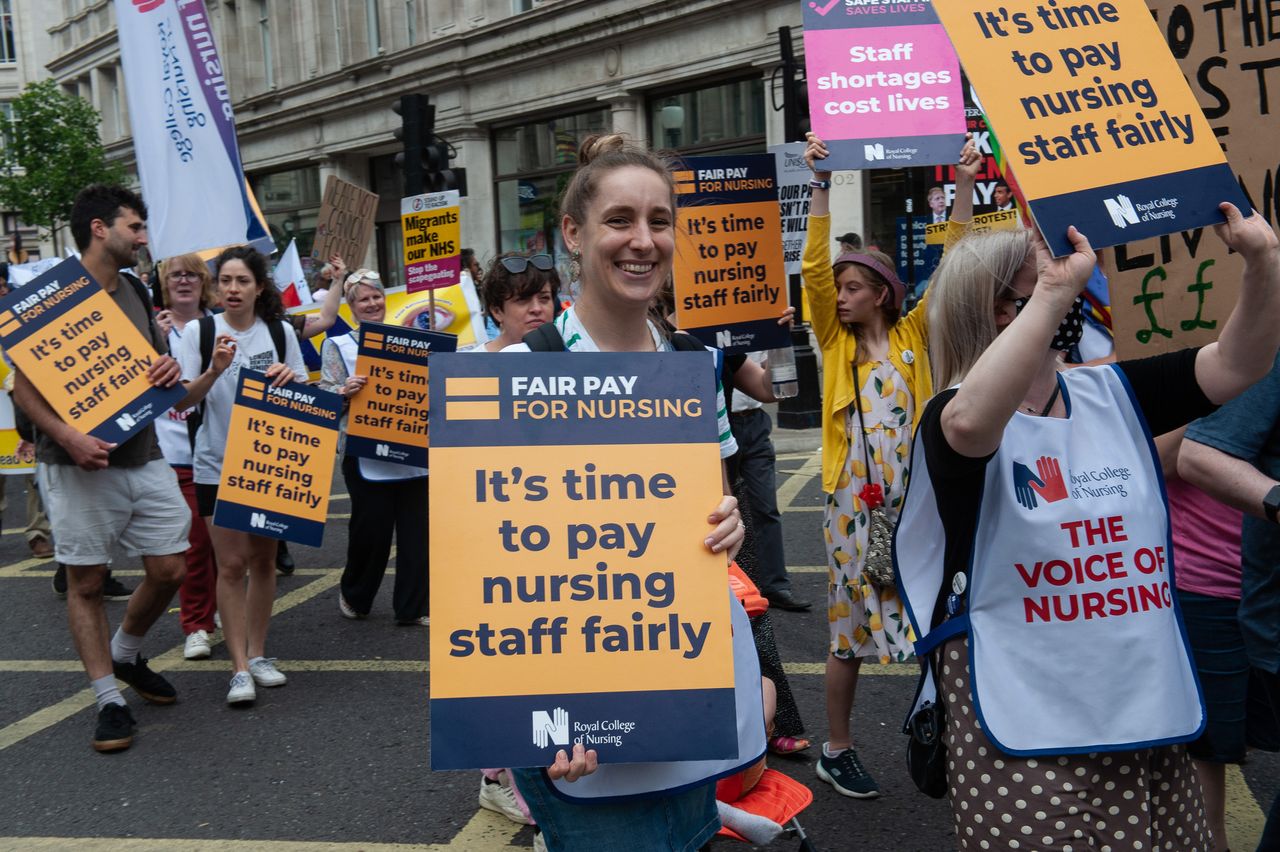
x: 731, y: 285
x: 85, y: 356
x: 276, y: 472
x: 884, y: 84
x: 1098, y: 123
x: 935, y: 234
x: 432, y: 240
x: 582, y: 604
x: 10, y: 461
x: 388, y: 418
x: 1178, y: 290
x: 794, y: 193
x: 345, y: 225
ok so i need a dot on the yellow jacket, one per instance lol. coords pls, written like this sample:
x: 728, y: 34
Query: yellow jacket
x: 908, y: 348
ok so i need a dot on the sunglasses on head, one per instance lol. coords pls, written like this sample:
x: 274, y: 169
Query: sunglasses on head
x: 517, y: 264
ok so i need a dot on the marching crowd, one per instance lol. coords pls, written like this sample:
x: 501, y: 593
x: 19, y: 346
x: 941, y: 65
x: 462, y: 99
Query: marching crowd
x: 1066, y: 707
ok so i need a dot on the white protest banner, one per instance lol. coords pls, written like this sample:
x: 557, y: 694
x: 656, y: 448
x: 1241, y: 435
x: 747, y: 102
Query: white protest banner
x: 184, y: 132
x: 794, y: 193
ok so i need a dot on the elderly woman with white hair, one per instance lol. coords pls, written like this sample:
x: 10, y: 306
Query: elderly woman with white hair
x: 386, y: 498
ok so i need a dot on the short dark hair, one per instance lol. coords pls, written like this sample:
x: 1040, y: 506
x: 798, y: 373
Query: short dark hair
x: 100, y: 201
x: 467, y: 255
x: 268, y: 305
x: 499, y: 285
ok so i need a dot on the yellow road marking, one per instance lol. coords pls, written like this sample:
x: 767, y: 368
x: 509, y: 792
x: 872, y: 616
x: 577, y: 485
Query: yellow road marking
x: 17, y: 568
x: 788, y: 490
x: 869, y: 668
x: 1245, y: 819
x: 49, y: 716
x: 138, y: 572
x: 56, y: 666
x: 806, y: 569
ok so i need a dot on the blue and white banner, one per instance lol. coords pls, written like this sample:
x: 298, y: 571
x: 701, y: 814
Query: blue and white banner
x: 184, y: 132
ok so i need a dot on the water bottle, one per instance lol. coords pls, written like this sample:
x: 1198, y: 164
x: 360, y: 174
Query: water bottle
x: 782, y: 366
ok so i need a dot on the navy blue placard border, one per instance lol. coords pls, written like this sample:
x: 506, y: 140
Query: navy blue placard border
x: 136, y: 415
x: 932, y: 150
x: 752, y: 336
x: 367, y: 448
x: 758, y: 166
x: 1198, y: 193
x: 473, y: 733
x: 236, y: 516
x: 840, y: 16
x: 330, y: 402
x: 436, y: 341
x: 661, y: 375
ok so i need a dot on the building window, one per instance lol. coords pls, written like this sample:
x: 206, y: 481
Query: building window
x: 518, y: 6
x: 373, y: 24
x: 264, y: 30
x: 290, y: 202
x: 411, y: 21
x: 722, y: 119
x: 533, y: 163
x: 7, y: 53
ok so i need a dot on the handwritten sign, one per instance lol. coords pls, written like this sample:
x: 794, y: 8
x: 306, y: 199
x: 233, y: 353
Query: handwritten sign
x: 1178, y: 290
x: 884, y: 84
x: 1100, y: 127
x: 730, y: 279
x: 388, y: 419
x: 432, y: 240
x: 582, y: 604
x: 278, y: 465
x: 345, y: 224
x: 83, y: 354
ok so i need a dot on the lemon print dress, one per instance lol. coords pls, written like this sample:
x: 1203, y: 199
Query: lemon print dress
x: 867, y: 620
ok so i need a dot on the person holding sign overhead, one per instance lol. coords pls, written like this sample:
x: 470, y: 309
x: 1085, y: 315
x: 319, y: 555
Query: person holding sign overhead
x: 1034, y: 548
x: 101, y: 495
x: 618, y: 218
x: 386, y: 498
x: 875, y: 375
x: 252, y: 331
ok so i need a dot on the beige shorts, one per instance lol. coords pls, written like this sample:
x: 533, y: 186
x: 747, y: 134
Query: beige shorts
x: 140, y: 509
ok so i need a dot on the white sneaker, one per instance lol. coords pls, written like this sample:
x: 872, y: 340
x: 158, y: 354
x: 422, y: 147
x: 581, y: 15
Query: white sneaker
x: 345, y: 608
x: 420, y: 621
x: 217, y: 620
x: 498, y: 797
x: 242, y: 691
x: 197, y: 646
x: 265, y: 673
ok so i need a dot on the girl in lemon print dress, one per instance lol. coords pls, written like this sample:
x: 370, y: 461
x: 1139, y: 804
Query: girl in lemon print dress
x: 876, y: 363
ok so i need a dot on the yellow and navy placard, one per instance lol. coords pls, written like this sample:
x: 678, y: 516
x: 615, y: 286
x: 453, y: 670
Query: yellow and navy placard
x: 87, y: 359
x: 935, y: 234
x: 279, y: 460
x: 730, y: 277
x: 583, y: 606
x: 1096, y: 119
x: 388, y: 418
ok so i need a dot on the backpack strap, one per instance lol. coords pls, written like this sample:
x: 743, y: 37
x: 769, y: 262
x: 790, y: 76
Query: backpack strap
x: 144, y: 296
x: 545, y: 338
x: 278, y: 332
x: 206, y: 330
x: 683, y: 341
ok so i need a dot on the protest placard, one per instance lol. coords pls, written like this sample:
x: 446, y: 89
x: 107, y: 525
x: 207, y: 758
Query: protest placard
x: 730, y: 282
x: 794, y: 193
x: 10, y: 460
x: 884, y: 83
x: 388, y: 418
x: 1178, y: 290
x: 345, y: 224
x: 432, y: 230
x: 1098, y: 123
x: 278, y: 464
x: 88, y: 360
x: 935, y: 234
x: 583, y: 604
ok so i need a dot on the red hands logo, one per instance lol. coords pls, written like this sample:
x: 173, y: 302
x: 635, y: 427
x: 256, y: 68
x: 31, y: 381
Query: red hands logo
x: 1054, y: 487
x: 148, y: 5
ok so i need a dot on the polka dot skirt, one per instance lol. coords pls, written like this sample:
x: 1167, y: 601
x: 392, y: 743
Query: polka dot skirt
x: 1146, y: 800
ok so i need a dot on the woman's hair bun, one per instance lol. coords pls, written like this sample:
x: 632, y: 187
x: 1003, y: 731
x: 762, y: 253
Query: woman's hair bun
x: 599, y: 144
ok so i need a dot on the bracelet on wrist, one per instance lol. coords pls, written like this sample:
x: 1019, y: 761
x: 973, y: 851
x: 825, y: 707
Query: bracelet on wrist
x: 820, y: 184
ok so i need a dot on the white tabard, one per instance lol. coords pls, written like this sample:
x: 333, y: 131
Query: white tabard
x: 1076, y: 642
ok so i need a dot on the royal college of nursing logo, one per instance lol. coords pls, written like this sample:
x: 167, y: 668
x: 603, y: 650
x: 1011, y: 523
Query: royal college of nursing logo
x: 551, y: 727
x: 1046, y: 483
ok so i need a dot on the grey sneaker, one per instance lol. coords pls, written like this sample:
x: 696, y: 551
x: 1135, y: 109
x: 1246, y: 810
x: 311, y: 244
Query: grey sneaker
x: 846, y: 773
x: 265, y: 673
x: 242, y: 691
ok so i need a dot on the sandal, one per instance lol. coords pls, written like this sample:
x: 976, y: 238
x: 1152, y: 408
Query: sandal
x: 787, y: 745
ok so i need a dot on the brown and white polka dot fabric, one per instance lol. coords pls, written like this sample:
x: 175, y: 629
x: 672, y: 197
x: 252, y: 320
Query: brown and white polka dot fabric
x: 1147, y: 799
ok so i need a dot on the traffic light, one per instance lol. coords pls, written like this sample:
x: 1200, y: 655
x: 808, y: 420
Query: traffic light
x: 425, y: 158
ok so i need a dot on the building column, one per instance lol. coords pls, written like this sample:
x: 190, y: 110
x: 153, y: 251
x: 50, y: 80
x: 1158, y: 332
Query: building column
x: 626, y: 113
x: 479, y: 218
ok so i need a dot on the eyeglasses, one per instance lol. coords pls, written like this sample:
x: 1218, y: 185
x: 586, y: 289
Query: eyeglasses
x: 517, y: 264
x: 180, y: 274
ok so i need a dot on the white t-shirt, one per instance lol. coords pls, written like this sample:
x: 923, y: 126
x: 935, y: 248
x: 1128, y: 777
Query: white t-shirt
x: 255, y: 350
x: 576, y: 339
x: 171, y: 427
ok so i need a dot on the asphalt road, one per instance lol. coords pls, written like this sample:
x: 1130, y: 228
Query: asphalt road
x: 338, y: 758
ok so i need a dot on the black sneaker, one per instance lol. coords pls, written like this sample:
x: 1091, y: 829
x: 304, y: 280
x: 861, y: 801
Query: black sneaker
x: 145, y: 682
x: 114, y: 590
x: 284, y: 562
x: 60, y: 581
x: 846, y: 774
x: 115, y: 728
